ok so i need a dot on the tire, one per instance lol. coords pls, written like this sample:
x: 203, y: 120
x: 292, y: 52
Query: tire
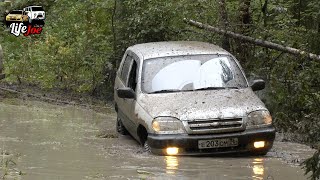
x: 8, y: 24
x: 146, y: 147
x: 120, y: 127
x: 41, y: 23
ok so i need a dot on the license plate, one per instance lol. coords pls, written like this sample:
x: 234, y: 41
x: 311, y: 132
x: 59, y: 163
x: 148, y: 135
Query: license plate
x: 217, y: 143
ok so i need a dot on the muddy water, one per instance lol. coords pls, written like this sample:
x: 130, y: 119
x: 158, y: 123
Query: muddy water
x: 60, y: 142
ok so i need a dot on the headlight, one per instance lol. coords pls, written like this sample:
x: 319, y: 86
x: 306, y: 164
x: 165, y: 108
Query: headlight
x: 167, y: 125
x: 259, y: 118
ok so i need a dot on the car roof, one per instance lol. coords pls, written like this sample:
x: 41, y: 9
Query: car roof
x: 33, y: 6
x: 175, y: 48
x: 16, y: 10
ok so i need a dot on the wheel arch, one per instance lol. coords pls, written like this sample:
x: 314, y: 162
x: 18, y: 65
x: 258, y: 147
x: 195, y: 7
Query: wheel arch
x: 142, y: 133
x: 116, y: 107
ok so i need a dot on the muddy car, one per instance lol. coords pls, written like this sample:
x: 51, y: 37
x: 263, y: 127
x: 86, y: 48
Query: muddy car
x: 36, y: 14
x: 16, y: 16
x: 190, y: 98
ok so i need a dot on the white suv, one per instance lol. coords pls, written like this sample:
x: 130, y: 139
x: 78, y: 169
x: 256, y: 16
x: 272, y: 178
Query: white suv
x: 35, y: 13
x: 190, y: 98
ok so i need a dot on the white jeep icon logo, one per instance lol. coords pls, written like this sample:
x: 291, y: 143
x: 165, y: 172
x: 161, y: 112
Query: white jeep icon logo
x: 35, y: 13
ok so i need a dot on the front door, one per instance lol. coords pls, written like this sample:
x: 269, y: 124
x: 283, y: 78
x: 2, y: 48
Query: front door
x: 127, y: 106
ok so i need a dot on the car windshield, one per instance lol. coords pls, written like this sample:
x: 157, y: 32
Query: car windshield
x: 37, y: 9
x: 16, y: 12
x: 191, y: 73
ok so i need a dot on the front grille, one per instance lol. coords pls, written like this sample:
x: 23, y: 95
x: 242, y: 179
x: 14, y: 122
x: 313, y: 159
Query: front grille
x: 215, y: 125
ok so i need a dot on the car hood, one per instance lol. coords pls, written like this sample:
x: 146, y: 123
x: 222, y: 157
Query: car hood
x: 228, y: 103
x: 15, y: 15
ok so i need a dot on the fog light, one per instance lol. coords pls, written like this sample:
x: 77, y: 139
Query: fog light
x: 156, y: 126
x: 259, y: 144
x: 172, y: 150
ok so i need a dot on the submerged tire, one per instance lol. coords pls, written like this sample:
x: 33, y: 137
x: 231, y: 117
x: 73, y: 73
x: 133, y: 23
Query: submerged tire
x: 120, y: 127
x: 146, y: 147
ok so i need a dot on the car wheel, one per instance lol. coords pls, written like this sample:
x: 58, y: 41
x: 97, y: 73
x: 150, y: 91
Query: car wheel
x: 41, y: 23
x: 146, y: 147
x: 120, y: 127
x: 8, y: 23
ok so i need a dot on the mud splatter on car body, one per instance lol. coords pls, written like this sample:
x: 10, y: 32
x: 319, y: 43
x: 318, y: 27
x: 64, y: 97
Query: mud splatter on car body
x: 193, y: 96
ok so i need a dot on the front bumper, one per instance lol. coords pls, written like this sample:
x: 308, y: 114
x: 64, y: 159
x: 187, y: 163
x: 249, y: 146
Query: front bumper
x: 14, y: 20
x: 38, y: 19
x: 188, y: 144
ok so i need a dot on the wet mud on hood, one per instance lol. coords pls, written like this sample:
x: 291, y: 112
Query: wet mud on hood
x: 229, y: 103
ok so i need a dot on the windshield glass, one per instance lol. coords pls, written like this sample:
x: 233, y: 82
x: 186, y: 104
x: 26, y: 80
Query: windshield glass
x: 16, y: 12
x: 37, y: 9
x: 188, y: 73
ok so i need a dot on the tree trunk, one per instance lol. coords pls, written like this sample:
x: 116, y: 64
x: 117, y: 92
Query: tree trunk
x: 114, y: 62
x: 225, y: 23
x: 245, y: 16
x: 1, y: 59
x: 243, y: 48
x: 251, y: 40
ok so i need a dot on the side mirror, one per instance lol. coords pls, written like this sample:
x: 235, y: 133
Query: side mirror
x: 258, y: 85
x: 126, y: 92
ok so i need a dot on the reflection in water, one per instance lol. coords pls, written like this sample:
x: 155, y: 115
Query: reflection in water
x: 258, y: 168
x: 172, y: 164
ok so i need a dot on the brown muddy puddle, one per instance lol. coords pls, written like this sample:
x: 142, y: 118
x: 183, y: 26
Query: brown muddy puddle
x: 60, y: 142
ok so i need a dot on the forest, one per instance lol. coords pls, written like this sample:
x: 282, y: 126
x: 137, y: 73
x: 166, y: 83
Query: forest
x: 83, y: 41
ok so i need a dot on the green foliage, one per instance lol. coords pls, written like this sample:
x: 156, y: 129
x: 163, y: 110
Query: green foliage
x: 313, y: 165
x: 70, y: 54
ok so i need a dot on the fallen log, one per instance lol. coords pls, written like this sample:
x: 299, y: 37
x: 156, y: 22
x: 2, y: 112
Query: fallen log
x: 252, y: 40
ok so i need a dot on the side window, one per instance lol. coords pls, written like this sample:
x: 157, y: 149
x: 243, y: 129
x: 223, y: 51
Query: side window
x: 132, y: 83
x: 125, y: 69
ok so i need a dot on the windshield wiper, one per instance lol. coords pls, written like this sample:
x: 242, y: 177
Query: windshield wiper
x: 209, y: 88
x: 215, y: 88
x: 165, y: 90
x: 232, y: 87
x: 200, y: 89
